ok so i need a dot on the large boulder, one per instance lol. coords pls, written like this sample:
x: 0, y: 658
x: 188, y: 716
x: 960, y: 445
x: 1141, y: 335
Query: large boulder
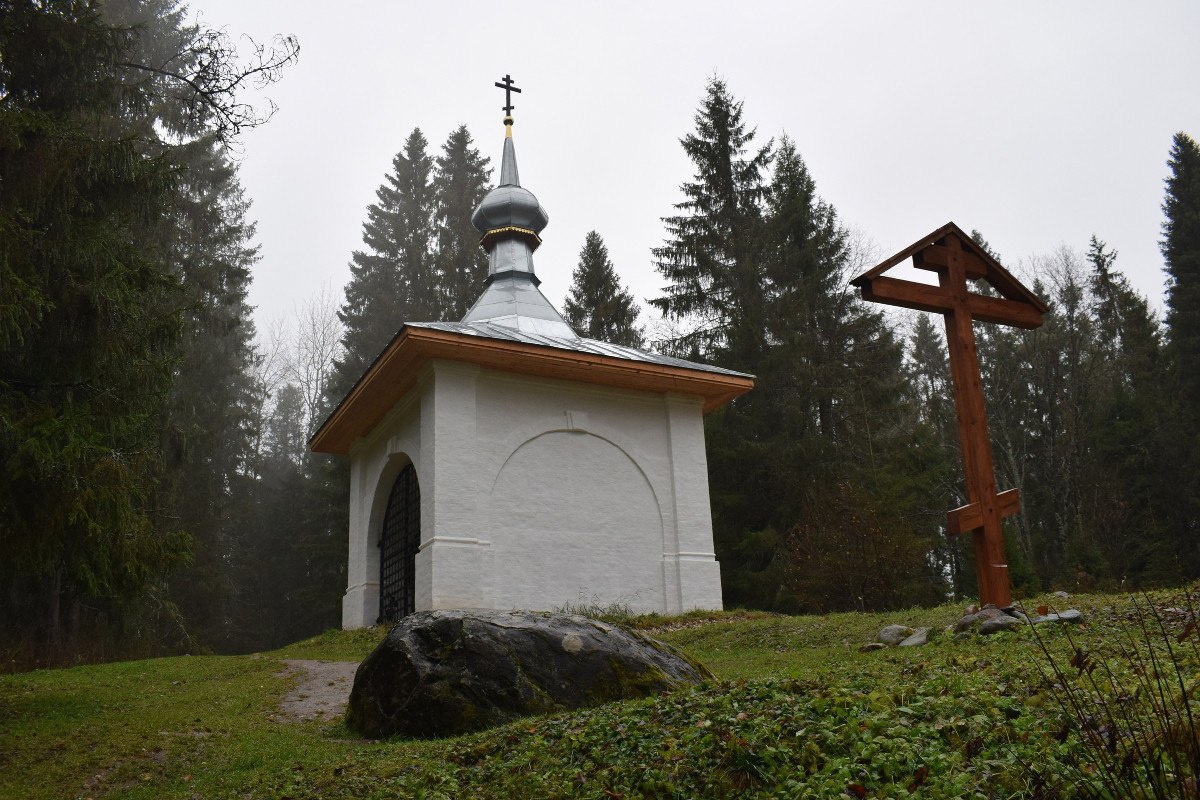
x: 893, y: 635
x: 440, y: 673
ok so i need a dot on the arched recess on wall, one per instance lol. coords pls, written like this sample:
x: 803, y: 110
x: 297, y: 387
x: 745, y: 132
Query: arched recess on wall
x: 395, y: 537
x: 615, y: 436
x: 574, y: 521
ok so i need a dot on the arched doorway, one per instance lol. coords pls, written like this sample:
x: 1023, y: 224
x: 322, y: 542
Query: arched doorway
x: 398, y: 543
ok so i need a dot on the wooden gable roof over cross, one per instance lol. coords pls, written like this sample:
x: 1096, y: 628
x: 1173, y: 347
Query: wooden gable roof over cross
x: 1016, y: 306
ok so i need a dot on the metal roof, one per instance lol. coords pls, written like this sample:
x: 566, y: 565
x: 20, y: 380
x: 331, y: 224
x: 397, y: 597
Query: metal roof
x: 512, y: 299
x: 494, y: 330
x: 398, y: 368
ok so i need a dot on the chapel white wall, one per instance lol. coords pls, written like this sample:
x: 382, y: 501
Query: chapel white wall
x: 538, y: 493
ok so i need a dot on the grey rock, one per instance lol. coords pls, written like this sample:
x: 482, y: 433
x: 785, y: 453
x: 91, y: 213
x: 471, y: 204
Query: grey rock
x: 969, y: 621
x: 1000, y: 623
x: 893, y: 635
x: 920, y: 636
x: 440, y: 673
x: 1061, y: 594
x: 1071, y: 615
x: 871, y: 647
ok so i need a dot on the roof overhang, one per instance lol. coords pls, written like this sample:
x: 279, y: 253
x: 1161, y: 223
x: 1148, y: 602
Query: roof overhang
x: 394, y: 374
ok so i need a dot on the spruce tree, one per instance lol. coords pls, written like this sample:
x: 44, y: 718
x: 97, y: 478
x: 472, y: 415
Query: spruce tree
x: 86, y: 341
x: 123, y: 263
x: 1125, y: 435
x: 712, y: 256
x: 1180, y: 247
x: 833, y: 408
x: 759, y: 268
x: 810, y: 314
x: 392, y: 279
x: 459, y: 183
x: 207, y: 440
x: 596, y: 305
x: 206, y: 243
x: 930, y: 372
x: 1181, y: 252
x: 928, y: 368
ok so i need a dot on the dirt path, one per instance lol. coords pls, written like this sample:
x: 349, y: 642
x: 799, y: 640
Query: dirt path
x: 322, y: 692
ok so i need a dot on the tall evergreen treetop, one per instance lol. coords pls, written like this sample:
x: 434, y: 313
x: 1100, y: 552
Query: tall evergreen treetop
x: 1125, y: 325
x: 821, y: 335
x: 807, y: 253
x: 391, y: 279
x: 1181, y: 250
x: 597, y: 306
x: 460, y: 184
x: 711, y: 258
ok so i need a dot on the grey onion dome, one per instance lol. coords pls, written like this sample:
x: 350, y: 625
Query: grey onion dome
x: 510, y: 219
x: 509, y: 208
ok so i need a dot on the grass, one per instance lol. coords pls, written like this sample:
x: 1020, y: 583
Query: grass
x: 799, y: 712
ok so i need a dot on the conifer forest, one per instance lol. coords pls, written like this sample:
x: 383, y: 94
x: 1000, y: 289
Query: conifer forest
x: 156, y: 490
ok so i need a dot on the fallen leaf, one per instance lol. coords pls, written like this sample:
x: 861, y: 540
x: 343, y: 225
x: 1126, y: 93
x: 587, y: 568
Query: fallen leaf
x: 918, y: 777
x: 856, y: 790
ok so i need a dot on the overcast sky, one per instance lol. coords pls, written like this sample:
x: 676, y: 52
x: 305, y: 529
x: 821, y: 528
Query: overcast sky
x: 1037, y: 123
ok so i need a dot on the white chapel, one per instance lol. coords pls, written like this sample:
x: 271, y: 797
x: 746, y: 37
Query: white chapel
x: 504, y: 461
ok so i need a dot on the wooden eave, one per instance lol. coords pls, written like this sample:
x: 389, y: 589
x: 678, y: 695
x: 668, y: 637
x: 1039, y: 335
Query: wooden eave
x: 924, y: 250
x: 394, y: 374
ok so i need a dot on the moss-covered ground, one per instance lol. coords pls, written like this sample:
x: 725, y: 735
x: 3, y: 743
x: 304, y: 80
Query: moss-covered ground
x: 798, y: 712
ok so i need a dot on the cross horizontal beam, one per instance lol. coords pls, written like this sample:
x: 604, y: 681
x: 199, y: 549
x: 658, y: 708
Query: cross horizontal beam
x: 970, y: 517
x: 923, y: 297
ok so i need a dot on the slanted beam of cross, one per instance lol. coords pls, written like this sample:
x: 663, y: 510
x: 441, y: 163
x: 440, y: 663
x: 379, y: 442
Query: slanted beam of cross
x: 953, y: 299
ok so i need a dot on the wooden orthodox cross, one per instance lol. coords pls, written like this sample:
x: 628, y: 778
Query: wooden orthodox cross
x: 957, y: 259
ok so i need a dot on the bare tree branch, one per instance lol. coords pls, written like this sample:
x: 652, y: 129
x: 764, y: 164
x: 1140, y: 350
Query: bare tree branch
x: 208, y: 76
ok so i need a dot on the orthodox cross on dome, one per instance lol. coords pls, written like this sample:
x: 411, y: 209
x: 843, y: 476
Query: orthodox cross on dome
x: 509, y: 88
x: 956, y: 260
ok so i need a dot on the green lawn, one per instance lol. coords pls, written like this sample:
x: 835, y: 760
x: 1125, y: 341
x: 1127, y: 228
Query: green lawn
x: 799, y: 712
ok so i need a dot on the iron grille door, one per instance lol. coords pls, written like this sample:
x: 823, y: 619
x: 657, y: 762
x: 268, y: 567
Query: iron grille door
x: 398, y: 548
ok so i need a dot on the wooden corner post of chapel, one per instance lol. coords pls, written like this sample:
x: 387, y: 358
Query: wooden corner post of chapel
x: 956, y: 260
